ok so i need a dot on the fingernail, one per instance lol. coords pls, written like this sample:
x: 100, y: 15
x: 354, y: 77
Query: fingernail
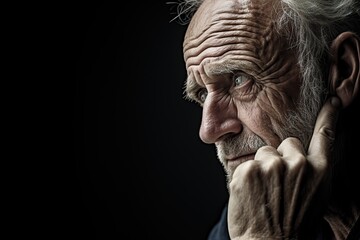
x: 335, y: 102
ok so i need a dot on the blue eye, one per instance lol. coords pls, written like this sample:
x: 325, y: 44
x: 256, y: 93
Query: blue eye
x: 239, y: 79
x: 202, y: 95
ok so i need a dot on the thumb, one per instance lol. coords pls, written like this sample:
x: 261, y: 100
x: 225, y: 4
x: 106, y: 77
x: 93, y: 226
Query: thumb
x: 323, y: 138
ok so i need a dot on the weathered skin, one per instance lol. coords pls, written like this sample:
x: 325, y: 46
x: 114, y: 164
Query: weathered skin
x: 245, y: 77
x: 246, y: 41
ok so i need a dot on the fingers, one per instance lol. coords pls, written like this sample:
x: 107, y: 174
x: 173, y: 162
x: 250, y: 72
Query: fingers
x: 291, y: 148
x: 323, y: 137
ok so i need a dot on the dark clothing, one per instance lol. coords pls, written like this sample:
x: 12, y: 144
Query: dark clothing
x: 220, y: 230
x: 355, y: 231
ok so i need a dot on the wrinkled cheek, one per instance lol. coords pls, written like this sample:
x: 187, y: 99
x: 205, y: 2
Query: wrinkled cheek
x: 274, y: 106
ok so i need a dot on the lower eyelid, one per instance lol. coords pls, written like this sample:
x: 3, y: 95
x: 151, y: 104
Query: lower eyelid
x: 247, y: 89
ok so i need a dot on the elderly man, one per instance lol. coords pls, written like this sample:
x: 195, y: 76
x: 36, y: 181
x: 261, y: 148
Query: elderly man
x: 278, y: 81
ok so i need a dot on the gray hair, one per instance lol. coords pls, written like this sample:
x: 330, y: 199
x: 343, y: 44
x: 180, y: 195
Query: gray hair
x: 310, y: 26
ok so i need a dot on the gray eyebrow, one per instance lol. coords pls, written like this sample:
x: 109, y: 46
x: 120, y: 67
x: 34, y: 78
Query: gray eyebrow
x: 191, y: 87
x: 229, y: 66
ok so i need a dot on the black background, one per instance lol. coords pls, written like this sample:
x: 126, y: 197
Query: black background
x: 139, y: 169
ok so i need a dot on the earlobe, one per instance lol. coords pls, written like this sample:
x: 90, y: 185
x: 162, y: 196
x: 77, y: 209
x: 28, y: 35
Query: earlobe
x: 344, y: 74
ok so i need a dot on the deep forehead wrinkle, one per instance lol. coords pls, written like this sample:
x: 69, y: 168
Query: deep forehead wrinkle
x: 224, y: 34
x: 227, y: 24
x: 226, y: 21
x: 227, y: 12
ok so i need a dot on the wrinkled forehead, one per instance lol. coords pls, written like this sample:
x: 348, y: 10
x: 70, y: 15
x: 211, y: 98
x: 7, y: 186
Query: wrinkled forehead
x: 206, y: 13
x: 212, y: 11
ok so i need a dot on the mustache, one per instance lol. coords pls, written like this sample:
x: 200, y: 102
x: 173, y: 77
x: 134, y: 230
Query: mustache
x: 238, y: 145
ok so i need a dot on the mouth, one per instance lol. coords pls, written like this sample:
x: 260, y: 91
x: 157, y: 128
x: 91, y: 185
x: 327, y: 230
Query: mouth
x: 232, y: 163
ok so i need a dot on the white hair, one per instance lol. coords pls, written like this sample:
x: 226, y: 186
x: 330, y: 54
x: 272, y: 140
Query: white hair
x: 309, y: 26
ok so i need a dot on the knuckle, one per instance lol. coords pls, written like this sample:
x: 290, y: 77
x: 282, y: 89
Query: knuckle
x: 298, y: 162
x: 243, y: 174
x: 246, y: 169
x: 265, y: 149
x: 273, y: 165
x: 264, y: 152
x: 292, y: 141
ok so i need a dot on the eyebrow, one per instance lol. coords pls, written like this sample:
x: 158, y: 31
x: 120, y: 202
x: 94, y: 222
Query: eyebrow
x: 191, y: 87
x: 213, y: 69
x: 231, y: 66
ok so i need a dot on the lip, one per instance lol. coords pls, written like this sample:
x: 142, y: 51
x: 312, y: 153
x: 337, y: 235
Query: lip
x: 232, y: 163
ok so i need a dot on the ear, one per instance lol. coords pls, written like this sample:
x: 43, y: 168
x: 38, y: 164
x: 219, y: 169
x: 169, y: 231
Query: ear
x: 344, y: 74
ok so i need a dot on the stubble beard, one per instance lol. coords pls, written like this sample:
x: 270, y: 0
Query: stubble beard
x: 298, y: 123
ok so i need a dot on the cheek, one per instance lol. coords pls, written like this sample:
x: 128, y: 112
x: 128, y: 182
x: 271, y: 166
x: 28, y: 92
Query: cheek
x: 265, y: 119
x: 276, y: 104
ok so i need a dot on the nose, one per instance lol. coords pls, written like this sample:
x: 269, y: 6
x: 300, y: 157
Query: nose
x: 218, y: 119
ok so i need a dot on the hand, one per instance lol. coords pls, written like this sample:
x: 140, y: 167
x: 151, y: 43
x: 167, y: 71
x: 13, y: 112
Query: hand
x: 270, y: 195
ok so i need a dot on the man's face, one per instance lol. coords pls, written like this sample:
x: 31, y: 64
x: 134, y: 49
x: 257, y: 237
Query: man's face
x: 243, y: 74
